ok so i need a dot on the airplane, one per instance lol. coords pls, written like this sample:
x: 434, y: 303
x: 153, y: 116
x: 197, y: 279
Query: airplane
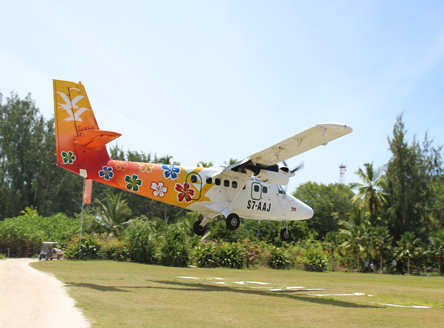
x: 251, y: 188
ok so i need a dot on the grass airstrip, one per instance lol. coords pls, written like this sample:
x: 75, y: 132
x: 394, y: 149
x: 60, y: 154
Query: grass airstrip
x: 115, y: 294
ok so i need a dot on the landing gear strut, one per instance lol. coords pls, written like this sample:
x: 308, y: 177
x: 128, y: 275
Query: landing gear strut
x: 233, y: 221
x: 285, y: 233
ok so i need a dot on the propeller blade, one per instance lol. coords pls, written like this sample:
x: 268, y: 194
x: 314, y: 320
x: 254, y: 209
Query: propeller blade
x: 300, y: 166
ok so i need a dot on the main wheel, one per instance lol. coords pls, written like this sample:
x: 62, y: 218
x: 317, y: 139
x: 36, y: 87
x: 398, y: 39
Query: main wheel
x: 285, y: 234
x: 233, y: 221
x: 198, y: 230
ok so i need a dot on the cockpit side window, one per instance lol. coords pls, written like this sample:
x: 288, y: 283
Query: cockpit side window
x: 280, y: 190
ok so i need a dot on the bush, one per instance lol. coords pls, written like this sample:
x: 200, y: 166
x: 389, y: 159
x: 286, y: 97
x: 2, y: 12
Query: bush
x: 85, y: 249
x: 174, y: 247
x: 141, y: 238
x: 113, y: 249
x: 205, y: 255
x: 21, y: 242
x: 23, y: 235
x: 314, y: 260
x: 231, y: 255
x: 279, y: 258
x: 254, y: 252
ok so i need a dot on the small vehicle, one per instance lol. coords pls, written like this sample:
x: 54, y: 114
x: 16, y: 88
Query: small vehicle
x: 49, y: 251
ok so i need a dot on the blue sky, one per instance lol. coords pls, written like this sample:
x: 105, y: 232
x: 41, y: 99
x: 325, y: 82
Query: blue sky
x: 214, y: 80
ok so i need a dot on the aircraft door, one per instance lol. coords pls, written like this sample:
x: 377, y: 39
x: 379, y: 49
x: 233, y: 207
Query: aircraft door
x: 256, y: 191
x: 195, y: 181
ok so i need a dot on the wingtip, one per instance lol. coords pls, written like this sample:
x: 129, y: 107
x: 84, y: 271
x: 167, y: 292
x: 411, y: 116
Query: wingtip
x: 336, y: 126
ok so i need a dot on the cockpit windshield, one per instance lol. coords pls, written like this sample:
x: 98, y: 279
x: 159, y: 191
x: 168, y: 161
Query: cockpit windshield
x: 280, y: 190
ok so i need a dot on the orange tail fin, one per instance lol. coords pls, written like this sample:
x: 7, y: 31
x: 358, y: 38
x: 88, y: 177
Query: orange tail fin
x: 80, y: 142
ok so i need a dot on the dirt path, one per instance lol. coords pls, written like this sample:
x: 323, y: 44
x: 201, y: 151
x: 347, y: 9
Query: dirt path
x: 31, y: 298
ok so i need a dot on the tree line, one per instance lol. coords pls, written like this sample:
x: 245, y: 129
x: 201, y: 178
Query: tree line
x: 393, y: 212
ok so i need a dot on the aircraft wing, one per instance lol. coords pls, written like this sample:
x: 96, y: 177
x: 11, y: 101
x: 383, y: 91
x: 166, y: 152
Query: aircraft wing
x: 321, y: 134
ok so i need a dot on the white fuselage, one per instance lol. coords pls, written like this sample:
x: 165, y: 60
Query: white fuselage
x: 258, y: 200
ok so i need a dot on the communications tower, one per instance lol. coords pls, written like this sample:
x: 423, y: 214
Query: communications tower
x: 342, y: 170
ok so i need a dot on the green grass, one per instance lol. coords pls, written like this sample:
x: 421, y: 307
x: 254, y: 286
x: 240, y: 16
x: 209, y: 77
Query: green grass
x: 115, y: 294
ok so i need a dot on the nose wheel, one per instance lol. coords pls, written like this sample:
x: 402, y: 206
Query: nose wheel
x: 233, y: 221
x: 285, y: 234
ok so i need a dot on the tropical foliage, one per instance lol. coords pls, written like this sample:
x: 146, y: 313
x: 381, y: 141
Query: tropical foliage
x: 375, y: 224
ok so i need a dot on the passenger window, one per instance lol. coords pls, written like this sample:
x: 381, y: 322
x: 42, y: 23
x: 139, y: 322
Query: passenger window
x: 193, y: 179
x: 209, y: 180
x: 256, y: 188
x: 234, y: 184
x: 226, y: 183
x: 217, y: 182
x: 264, y: 189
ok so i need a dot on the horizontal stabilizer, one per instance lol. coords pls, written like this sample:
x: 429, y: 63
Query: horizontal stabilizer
x: 96, y: 139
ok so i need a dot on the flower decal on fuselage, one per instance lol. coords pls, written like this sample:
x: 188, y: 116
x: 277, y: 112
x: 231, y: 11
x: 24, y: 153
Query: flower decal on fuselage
x: 68, y: 157
x: 159, y: 189
x: 120, y: 166
x: 184, y: 192
x: 145, y: 167
x: 170, y: 171
x: 133, y: 182
x: 106, y: 172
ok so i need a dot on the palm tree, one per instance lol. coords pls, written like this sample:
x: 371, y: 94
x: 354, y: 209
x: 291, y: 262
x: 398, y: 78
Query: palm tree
x: 436, y: 248
x: 230, y: 162
x: 354, y: 239
x: 382, y: 241
x: 30, y: 211
x: 204, y: 164
x: 408, y: 248
x: 331, y: 239
x: 370, y: 193
x: 113, y: 213
x: 357, y: 225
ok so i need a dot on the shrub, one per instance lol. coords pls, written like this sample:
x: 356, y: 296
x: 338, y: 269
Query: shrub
x: 85, y: 249
x: 278, y: 258
x: 174, y: 247
x: 314, y: 260
x: 253, y: 252
x: 141, y: 238
x: 21, y: 242
x: 231, y: 255
x: 205, y: 255
x: 23, y: 235
x: 113, y: 249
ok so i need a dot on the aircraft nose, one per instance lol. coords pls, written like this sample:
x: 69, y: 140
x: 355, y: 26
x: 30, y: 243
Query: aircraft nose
x: 307, y: 211
x: 303, y: 211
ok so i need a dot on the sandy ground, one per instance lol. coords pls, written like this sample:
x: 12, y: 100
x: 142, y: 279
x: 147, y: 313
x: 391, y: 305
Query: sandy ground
x: 31, y: 298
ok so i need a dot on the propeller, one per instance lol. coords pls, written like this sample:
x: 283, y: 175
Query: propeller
x: 292, y: 172
x: 300, y: 166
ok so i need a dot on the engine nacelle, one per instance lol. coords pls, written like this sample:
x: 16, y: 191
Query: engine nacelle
x: 280, y: 178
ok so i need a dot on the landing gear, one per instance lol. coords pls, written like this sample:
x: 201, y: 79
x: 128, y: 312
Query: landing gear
x: 285, y: 234
x: 233, y: 221
x: 198, y: 229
